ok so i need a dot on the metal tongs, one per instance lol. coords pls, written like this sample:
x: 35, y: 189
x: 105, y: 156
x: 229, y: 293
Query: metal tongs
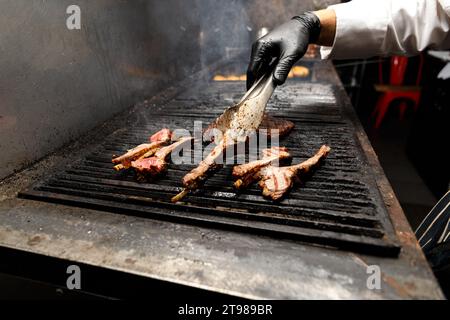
x: 239, y: 121
x: 245, y: 117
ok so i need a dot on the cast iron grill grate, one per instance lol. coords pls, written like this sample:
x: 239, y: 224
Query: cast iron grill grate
x: 339, y: 206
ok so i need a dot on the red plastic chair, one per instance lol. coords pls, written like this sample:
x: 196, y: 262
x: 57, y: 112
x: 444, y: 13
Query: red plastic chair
x: 396, y: 89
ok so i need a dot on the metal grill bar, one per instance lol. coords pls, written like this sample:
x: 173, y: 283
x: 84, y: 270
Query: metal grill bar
x: 338, y: 207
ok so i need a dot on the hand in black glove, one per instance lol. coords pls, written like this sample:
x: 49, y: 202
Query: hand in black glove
x: 287, y: 42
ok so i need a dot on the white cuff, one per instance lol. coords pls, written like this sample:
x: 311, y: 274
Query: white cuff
x: 361, y: 28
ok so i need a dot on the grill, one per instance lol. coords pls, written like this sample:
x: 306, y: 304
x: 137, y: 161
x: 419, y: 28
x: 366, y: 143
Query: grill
x: 339, y: 206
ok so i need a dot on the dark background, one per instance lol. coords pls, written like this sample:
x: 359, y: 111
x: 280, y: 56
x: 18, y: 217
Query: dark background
x: 411, y: 151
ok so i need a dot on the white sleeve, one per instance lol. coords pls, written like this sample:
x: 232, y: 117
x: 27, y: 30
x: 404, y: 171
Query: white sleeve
x: 366, y: 28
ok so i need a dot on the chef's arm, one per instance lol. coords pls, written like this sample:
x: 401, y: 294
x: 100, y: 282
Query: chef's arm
x: 327, y: 19
x: 288, y: 43
x: 356, y: 29
x: 367, y: 28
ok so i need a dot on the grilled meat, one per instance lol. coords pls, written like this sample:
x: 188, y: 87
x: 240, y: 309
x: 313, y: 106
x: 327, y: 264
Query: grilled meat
x: 162, y: 135
x: 144, y: 150
x: 276, y: 181
x: 149, y: 167
x: 271, y: 123
x: 141, y: 151
x: 246, y: 174
x: 197, y: 176
x: 156, y: 165
x: 268, y: 123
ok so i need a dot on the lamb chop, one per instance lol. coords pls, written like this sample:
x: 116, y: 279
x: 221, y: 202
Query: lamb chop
x: 162, y: 135
x: 250, y: 172
x: 276, y: 181
x: 156, y: 165
x: 144, y: 150
x: 197, y: 176
x: 141, y: 151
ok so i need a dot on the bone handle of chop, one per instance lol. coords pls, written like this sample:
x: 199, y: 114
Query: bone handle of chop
x: 119, y: 167
x: 180, y: 196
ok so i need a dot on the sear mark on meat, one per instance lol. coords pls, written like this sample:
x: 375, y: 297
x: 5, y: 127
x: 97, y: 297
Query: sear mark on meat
x: 147, y: 168
x: 158, y: 140
x: 196, y: 178
x: 162, y: 135
x: 277, y: 181
x: 246, y: 174
x: 269, y: 123
x: 141, y: 151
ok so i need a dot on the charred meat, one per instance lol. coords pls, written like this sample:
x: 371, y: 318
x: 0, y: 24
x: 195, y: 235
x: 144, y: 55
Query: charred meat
x: 144, y: 150
x: 268, y: 124
x: 162, y: 135
x: 141, y: 151
x: 277, y: 181
x: 197, y: 176
x: 149, y: 167
x: 246, y: 174
x: 156, y: 165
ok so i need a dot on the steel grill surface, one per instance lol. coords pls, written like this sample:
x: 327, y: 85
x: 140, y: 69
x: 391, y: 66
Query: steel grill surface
x: 338, y: 206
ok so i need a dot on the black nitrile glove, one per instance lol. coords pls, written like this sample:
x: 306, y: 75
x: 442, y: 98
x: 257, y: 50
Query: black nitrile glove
x: 287, y: 42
